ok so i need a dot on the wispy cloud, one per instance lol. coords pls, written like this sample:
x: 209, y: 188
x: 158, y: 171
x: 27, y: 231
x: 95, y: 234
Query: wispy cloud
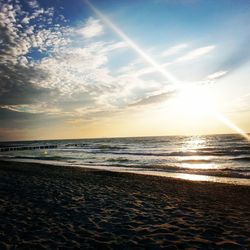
x: 153, y: 99
x: 196, y: 53
x: 217, y: 75
x: 42, y: 108
x: 174, y: 50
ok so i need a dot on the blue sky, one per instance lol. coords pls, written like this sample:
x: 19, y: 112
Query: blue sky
x: 62, y: 65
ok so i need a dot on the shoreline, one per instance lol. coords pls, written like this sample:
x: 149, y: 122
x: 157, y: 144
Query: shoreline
x: 48, y: 207
x: 241, y: 181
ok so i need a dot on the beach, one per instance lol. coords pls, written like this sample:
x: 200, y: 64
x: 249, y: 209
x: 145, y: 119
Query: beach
x: 56, y: 207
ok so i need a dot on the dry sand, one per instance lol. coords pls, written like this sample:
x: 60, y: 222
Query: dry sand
x: 49, y: 207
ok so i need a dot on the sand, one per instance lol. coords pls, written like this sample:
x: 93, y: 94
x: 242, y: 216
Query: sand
x: 50, y: 207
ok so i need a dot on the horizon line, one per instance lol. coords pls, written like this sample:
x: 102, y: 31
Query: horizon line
x: 121, y: 137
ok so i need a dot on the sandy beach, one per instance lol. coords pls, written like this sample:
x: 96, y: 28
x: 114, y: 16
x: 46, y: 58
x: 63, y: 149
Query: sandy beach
x: 53, y: 207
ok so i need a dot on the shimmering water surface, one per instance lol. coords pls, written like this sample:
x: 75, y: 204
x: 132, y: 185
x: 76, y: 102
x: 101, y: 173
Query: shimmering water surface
x: 214, y: 155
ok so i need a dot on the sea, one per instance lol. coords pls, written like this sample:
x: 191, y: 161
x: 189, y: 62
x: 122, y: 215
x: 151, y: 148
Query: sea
x: 216, y: 158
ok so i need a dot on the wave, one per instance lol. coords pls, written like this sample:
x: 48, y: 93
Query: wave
x: 49, y: 158
x: 120, y: 159
x: 181, y: 153
x: 244, y: 158
x: 95, y: 146
x: 197, y: 161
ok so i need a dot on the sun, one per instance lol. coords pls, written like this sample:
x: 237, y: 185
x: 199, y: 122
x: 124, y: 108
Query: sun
x: 195, y: 102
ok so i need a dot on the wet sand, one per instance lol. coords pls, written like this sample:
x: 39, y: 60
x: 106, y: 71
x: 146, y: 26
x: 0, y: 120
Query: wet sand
x: 52, y: 207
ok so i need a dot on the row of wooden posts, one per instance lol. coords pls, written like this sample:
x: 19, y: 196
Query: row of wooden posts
x: 14, y: 148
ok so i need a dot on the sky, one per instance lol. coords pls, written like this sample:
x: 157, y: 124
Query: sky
x: 79, y: 69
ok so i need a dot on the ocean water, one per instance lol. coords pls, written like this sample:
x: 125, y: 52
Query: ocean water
x: 213, y: 157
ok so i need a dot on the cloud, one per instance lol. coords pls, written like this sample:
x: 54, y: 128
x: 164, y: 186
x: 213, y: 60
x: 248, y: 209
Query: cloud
x: 79, y: 69
x: 63, y: 69
x: 18, y: 85
x: 194, y: 54
x: 33, y: 4
x: 23, y: 122
x: 174, y: 50
x: 114, y: 46
x: 71, y: 75
x: 212, y: 78
x: 15, y: 120
x: 233, y: 58
x: 217, y: 75
x: 71, y: 72
x: 140, y: 71
x: 19, y: 35
x: 41, y: 108
x: 19, y: 74
x: 152, y: 99
x: 91, y: 28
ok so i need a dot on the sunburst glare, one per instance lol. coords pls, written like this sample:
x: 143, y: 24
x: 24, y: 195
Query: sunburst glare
x: 195, y: 101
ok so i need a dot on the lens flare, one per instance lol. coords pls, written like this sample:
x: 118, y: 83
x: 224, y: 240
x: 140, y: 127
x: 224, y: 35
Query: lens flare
x: 172, y: 79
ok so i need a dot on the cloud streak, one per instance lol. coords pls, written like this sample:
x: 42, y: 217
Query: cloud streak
x: 196, y: 53
x: 217, y: 75
x: 154, y: 99
x: 174, y: 50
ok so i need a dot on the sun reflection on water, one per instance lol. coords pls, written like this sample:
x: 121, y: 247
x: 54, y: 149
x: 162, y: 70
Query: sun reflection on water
x: 193, y: 145
x: 193, y: 177
x: 199, y: 165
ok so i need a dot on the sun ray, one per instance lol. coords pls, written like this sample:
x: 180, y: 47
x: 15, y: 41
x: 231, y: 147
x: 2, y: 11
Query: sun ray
x: 231, y: 125
x: 172, y: 79
x: 134, y: 46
